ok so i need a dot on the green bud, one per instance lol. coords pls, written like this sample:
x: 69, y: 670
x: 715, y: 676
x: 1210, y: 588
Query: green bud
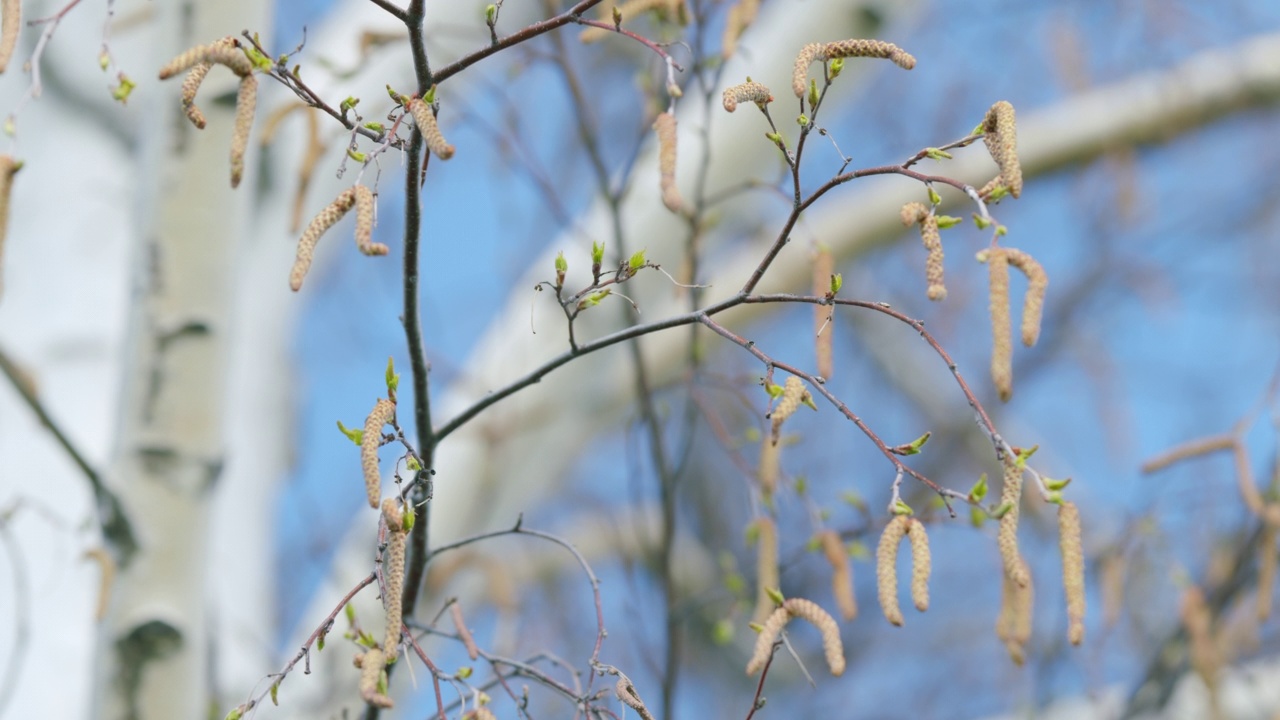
x: 813, y: 93
x: 637, y: 261
x: 853, y: 499
x: 722, y: 632
x: 837, y: 282
x: 1025, y: 454
x: 936, y: 154
x: 901, y: 508
x: 997, y: 193
x: 10, y: 127
x: 947, y: 221
x: 836, y: 66
x: 979, y: 489
x: 1001, y: 231
x: 1055, y: 497
x: 348, y: 104
x: 802, y: 484
x: 375, y: 126
x: 491, y: 14
x: 734, y: 583
x: 977, y: 516
x: 395, y: 96
x: 430, y: 97
x: 934, y: 197
x: 775, y: 595
x: 562, y: 265
x: 412, y: 463
x: 858, y: 550
x: 1056, y: 484
x: 981, y: 222
x: 977, y: 129
x: 392, y: 377
x: 803, y: 120
x: 597, y: 252
x: 236, y: 713
x: 275, y: 691
x: 350, y: 611
x: 774, y: 137
x: 120, y: 93
x: 1000, y: 511
x: 357, y: 155
x: 807, y: 399
x: 913, y: 447
x: 104, y: 60
x: 775, y: 391
x: 407, y: 519
x: 463, y: 672
x: 355, y: 435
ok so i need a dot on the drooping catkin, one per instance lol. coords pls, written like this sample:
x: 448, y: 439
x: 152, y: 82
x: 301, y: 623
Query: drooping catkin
x: 383, y: 412
x: 220, y: 52
x: 626, y: 692
x: 464, y: 633
x: 1198, y: 622
x: 806, y: 610
x: 1001, y: 324
x: 1266, y: 570
x: 1070, y: 545
x: 823, y: 328
x: 768, y: 469
x: 393, y: 575
x: 749, y: 91
x: 425, y: 119
x: 841, y: 574
x: 793, y: 393
x: 913, y: 212
x: 246, y: 101
x: 371, y: 664
x: 10, y: 25
x: 1000, y: 134
x: 665, y: 126
x: 1013, y: 625
x: 932, y: 238
x: 921, y: 564
x: 8, y: 168
x: 766, y: 567
x: 813, y: 52
x: 737, y: 20
x: 364, y: 223
x: 191, y: 85
x: 106, y: 578
x: 987, y: 190
x: 327, y: 218
x: 887, y: 567
x: 1007, y: 535
x: 667, y: 10
x: 1033, y: 303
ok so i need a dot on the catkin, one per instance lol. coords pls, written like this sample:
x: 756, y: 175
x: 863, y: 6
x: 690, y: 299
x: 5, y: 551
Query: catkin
x: 1198, y: 622
x: 768, y: 470
x: 933, y: 264
x: 823, y: 328
x: 793, y: 393
x: 464, y: 633
x: 246, y: 100
x: 665, y: 126
x: 328, y: 217
x: 393, y: 575
x: 1007, y: 535
x: 667, y: 10
x: 921, y: 564
x: 841, y: 574
x: 811, y: 612
x: 1266, y: 570
x: 8, y: 168
x: 1001, y: 324
x: 481, y: 713
x: 425, y: 119
x: 371, y: 664
x: 738, y: 19
x: 913, y: 212
x: 987, y: 190
x: 364, y: 223
x: 191, y: 85
x: 1013, y: 626
x: 1000, y: 134
x: 842, y: 49
x: 749, y: 91
x: 766, y: 567
x: 626, y: 692
x: 106, y: 579
x: 383, y: 412
x: 1072, y: 569
x: 1033, y: 303
x: 220, y: 52
x: 10, y: 25
x: 887, y: 567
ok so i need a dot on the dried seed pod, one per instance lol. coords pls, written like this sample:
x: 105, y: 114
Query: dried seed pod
x: 425, y: 119
x: 1000, y: 134
x: 842, y: 49
x: 8, y: 168
x: 393, y: 575
x: 887, y: 567
x: 1266, y: 570
x: 921, y: 564
x: 667, y: 11
x: 749, y: 91
x: 768, y: 470
x: 106, y: 578
x: 793, y: 393
x: 246, y: 100
x: 1069, y: 544
x: 807, y: 610
x: 364, y: 223
x: 464, y: 633
x: 766, y: 567
x: 1013, y: 626
x: 841, y: 574
x: 1001, y: 325
x: 932, y: 238
x: 626, y: 692
x: 220, y: 52
x: 823, y: 328
x: 1033, y: 303
x: 738, y: 19
x: 665, y: 126
x: 10, y: 25
x: 1007, y: 535
x: 327, y: 218
x: 371, y: 665
x: 383, y: 412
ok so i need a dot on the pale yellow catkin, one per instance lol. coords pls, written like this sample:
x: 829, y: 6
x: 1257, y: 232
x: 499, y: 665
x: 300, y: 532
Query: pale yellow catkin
x: 913, y: 212
x: 480, y: 713
x: 626, y: 692
x: 8, y: 168
x: 1007, y: 534
x: 1033, y: 303
x: 933, y: 268
x: 106, y: 579
x: 464, y: 633
x: 1071, y: 547
x: 793, y: 393
x: 1001, y: 324
x: 1000, y: 134
x: 737, y: 20
x: 766, y: 567
x: 191, y: 85
x: 887, y: 567
x: 328, y: 217
x: 823, y: 327
x: 1013, y: 625
x: 665, y: 127
x: 364, y: 223
x: 832, y: 647
x: 749, y: 91
x: 371, y: 664
x: 921, y: 564
x: 425, y: 119
x: 841, y: 574
x: 219, y: 52
x: 1111, y: 576
x: 393, y: 575
x: 667, y: 10
x: 813, y: 52
x: 246, y: 101
x: 1266, y: 570
x: 768, y: 469
x: 383, y: 412
x: 10, y: 25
